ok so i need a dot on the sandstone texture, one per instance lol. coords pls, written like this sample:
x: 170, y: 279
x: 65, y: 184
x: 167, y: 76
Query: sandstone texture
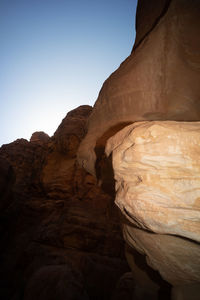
x: 39, y: 137
x: 157, y: 171
x: 176, y: 259
x: 158, y: 81
x: 26, y: 159
x: 60, y: 233
x: 156, y: 167
x: 59, y: 170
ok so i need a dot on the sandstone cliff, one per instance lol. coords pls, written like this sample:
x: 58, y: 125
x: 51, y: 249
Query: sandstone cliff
x: 158, y: 81
x: 60, y: 234
x: 58, y: 225
x: 154, y: 166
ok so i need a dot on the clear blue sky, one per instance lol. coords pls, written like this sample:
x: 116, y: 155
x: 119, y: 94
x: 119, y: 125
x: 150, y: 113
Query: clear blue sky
x: 54, y: 56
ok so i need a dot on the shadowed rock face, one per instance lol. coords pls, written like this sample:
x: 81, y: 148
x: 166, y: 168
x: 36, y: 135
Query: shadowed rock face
x: 72, y: 130
x: 39, y: 137
x: 26, y: 159
x: 148, y: 15
x: 60, y: 233
x: 158, y: 81
x: 56, y: 282
x: 60, y: 167
x: 7, y: 179
x: 59, y: 226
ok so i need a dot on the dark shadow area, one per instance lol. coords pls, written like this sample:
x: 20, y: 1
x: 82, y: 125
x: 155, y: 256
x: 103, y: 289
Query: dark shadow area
x: 103, y: 164
x: 105, y: 176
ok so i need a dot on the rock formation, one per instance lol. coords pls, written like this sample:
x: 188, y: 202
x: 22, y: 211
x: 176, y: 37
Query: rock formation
x: 157, y: 169
x: 156, y: 166
x: 7, y: 179
x: 60, y: 233
x: 158, y: 81
x: 26, y: 159
x: 59, y: 172
x: 39, y: 137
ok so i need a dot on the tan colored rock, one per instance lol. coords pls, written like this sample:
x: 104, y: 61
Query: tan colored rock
x: 176, y: 259
x: 158, y: 81
x: 157, y: 171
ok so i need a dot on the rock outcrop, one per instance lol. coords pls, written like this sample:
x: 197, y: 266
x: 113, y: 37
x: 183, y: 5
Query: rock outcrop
x: 60, y: 166
x: 72, y: 130
x: 158, y: 81
x: 39, y: 137
x: 7, y: 178
x: 156, y: 167
x: 61, y: 235
x: 26, y: 159
x: 60, y: 227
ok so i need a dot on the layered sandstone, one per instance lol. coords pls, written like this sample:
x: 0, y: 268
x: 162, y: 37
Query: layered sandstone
x: 158, y: 81
x: 156, y: 168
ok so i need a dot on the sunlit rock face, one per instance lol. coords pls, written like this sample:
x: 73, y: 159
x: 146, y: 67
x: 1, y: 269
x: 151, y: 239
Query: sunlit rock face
x: 158, y: 81
x: 156, y: 167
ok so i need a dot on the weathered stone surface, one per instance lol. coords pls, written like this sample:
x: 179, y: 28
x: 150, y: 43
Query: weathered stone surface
x: 158, y: 81
x: 176, y: 259
x: 156, y: 167
x: 72, y: 130
x: 148, y: 15
x: 59, y: 217
x: 39, y: 137
x: 59, y: 170
x: 26, y: 159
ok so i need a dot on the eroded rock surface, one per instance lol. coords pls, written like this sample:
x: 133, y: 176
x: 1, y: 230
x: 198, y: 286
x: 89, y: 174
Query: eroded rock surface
x: 39, y: 137
x: 156, y: 167
x: 60, y: 166
x: 158, y: 81
x: 58, y: 222
x: 26, y: 159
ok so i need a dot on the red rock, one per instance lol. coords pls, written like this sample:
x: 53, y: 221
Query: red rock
x: 59, y: 217
x: 39, y: 137
x: 158, y: 81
